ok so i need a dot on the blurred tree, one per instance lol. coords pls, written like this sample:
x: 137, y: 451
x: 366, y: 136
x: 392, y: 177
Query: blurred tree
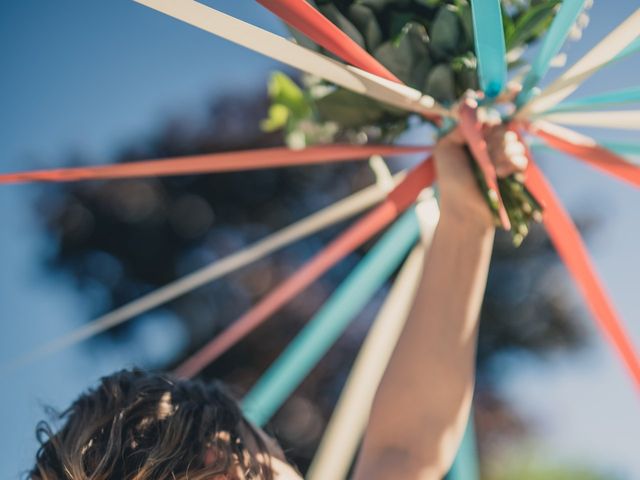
x: 120, y: 239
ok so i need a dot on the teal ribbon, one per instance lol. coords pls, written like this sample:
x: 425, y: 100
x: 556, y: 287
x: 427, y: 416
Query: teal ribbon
x: 490, y: 46
x: 633, y: 47
x: 621, y: 148
x: 315, y: 339
x: 551, y: 45
x: 627, y: 95
x: 465, y: 466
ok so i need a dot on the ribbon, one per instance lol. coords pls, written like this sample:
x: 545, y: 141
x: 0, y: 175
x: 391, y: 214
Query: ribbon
x: 289, y: 53
x: 472, y: 131
x: 212, y: 162
x: 303, y: 17
x: 587, y: 150
x: 349, y: 419
x: 465, y: 465
x: 627, y: 95
x: 632, y: 48
x: 551, y: 45
x: 622, y: 148
x: 568, y: 243
x: 613, y: 47
x: 397, y: 201
x: 624, y: 119
x: 323, y: 330
x: 490, y: 47
x: 334, y: 213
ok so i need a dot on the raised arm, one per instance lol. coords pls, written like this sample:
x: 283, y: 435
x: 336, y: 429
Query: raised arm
x: 422, y: 404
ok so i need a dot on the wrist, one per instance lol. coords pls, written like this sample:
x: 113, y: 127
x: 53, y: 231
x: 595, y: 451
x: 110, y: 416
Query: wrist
x: 475, y: 216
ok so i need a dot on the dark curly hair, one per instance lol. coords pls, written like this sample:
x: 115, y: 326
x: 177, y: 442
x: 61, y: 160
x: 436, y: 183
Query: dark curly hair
x: 138, y: 425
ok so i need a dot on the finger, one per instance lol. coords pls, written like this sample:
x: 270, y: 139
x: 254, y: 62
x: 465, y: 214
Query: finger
x: 512, y: 164
x: 504, y: 169
x: 507, y: 149
x: 510, y: 136
x: 515, y: 148
x: 454, y: 137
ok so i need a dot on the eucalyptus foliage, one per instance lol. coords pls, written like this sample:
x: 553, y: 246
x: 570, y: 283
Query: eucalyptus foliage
x: 428, y: 44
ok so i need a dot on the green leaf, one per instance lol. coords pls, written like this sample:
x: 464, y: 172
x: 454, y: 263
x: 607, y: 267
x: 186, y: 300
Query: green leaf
x: 397, y: 22
x: 531, y: 24
x: 366, y: 22
x: 466, y: 21
x: 440, y: 83
x: 283, y: 91
x: 349, y: 110
x: 446, y: 32
x: 466, y: 74
x: 330, y: 11
x: 408, y: 57
x: 376, y: 5
x: 430, y: 3
x: 276, y: 119
x: 508, y: 25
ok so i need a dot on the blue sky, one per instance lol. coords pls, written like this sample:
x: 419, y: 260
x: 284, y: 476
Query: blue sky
x: 88, y: 76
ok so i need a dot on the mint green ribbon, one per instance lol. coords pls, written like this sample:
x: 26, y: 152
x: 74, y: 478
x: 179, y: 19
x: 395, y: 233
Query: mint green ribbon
x: 627, y: 95
x: 322, y: 331
x: 621, y: 148
x: 490, y: 46
x: 551, y: 45
x: 465, y: 466
x: 633, y: 47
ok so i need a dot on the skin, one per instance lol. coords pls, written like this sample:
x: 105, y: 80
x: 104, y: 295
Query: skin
x: 423, y: 402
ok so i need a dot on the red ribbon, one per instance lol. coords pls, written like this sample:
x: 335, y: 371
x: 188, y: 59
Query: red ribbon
x: 303, y: 17
x: 590, y: 152
x: 214, y: 162
x: 568, y: 243
x: 471, y: 129
x: 397, y: 201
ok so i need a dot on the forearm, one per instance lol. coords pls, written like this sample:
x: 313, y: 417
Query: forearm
x: 422, y: 405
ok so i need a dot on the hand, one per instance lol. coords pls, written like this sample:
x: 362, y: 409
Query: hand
x: 459, y: 193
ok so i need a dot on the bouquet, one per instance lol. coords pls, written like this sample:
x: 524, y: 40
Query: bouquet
x: 428, y: 45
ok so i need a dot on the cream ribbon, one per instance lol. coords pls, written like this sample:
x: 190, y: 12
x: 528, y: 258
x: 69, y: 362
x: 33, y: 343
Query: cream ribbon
x: 316, y: 222
x: 285, y: 51
x: 623, y: 119
x: 350, y: 417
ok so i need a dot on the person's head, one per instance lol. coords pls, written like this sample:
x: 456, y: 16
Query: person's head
x: 141, y: 426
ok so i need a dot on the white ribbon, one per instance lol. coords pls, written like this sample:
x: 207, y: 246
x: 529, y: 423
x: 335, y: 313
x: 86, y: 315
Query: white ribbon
x: 623, y: 119
x: 285, y: 51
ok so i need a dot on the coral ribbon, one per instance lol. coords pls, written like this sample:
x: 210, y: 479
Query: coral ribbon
x: 397, y: 201
x: 303, y: 17
x: 213, y: 162
x: 472, y: 132
x: 587, y: 150
x: 568, y: 243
